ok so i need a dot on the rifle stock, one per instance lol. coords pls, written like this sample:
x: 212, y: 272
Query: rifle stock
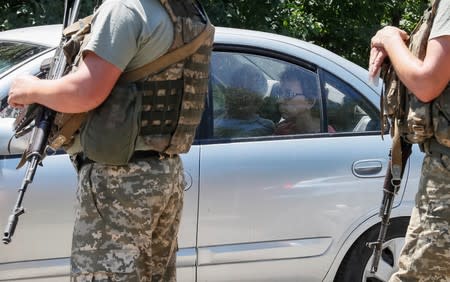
x: 43, y: 121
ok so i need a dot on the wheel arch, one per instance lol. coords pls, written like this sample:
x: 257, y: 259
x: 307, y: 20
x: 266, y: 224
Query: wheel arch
x: 400, y: 212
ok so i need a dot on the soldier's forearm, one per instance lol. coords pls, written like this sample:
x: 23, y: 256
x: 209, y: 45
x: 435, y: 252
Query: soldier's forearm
x: 80, y: 91
x: 427, y: 78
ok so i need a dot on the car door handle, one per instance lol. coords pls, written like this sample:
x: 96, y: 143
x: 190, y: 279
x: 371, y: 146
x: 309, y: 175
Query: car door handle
x: 369, y: 168
x: 187, y: 181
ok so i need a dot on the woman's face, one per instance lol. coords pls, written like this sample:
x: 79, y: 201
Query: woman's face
x: 292, y: 102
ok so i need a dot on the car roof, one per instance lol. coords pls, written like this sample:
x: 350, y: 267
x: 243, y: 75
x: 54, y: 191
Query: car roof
x: 49, y: 35
x: 45, y: 35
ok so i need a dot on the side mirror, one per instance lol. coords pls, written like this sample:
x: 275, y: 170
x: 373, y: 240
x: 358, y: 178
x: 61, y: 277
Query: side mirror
x: 9, y: 145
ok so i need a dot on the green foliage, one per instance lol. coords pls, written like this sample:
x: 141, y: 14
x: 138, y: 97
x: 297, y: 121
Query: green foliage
x: 342, y: 26
x: 255, y: 15
x: 347, y: 26
x: 18, y: 13
x: 412, y: 11
x: 22, y: 13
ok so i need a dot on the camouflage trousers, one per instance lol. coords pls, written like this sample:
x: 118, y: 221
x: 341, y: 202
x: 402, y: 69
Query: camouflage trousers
x: 127, y: 221
x: 426, y: 253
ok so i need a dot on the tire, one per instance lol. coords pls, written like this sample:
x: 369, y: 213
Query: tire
x: 356, y: 265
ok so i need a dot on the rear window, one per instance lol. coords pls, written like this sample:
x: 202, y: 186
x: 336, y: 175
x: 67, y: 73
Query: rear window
x: 13, y: 53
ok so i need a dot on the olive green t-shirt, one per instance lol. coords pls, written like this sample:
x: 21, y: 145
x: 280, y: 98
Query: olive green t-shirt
x: 130, y: 33
x: 441, y: 23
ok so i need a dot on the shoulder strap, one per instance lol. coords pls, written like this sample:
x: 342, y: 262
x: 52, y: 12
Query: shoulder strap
x: 169, y: 58
x: 78, y: 25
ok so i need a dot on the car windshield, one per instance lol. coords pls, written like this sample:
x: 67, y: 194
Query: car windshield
x: 12, y: 53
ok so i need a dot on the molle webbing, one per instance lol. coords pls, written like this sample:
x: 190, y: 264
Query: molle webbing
x: 161, y: 105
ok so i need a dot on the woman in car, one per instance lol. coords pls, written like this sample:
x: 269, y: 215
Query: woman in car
x: 297, y: 104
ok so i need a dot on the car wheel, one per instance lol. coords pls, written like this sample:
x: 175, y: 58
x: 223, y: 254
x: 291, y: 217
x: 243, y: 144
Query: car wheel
x: 357, y: 262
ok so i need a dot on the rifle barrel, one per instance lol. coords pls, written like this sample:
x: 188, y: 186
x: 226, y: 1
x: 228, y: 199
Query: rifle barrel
x: 18, y: 210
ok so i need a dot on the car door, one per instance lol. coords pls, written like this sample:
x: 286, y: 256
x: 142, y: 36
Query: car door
x: 283, y: 202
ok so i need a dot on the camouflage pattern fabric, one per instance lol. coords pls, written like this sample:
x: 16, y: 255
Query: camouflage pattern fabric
x: 426, y: 253
x: 127, y: 221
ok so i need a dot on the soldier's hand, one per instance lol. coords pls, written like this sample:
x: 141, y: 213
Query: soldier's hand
x: 377, y: 56
x: 20, y: 92
x: 388, y: 35
x: 385, y: 36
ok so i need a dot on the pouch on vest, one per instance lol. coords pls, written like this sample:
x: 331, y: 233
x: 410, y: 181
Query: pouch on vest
x: 419, y: 121
x: 111, y: 129
x: 441, y: 117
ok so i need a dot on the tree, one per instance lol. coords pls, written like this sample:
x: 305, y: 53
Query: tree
x: 22, y: 13
x: 342, y: 26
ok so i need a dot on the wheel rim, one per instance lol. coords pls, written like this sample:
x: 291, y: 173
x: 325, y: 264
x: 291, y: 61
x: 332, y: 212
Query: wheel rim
x: 388, y: 262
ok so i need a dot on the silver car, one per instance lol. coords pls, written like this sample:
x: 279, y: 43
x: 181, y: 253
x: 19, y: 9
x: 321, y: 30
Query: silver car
x: 258, y: 206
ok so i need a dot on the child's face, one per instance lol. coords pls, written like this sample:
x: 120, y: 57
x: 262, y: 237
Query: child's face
x: 292, y: 101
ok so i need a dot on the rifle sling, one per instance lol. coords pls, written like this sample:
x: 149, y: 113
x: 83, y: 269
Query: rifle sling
x: 68, y: 129
x: 396, y: 152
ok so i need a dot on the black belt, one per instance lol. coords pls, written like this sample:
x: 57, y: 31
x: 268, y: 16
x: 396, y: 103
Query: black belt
x: 80, y: 160
x: 435, y: 149
x: 140, y: 155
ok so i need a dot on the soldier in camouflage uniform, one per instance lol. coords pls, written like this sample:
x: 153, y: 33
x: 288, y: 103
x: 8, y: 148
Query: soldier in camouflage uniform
x: 426, y: 253
x: 141, y: 114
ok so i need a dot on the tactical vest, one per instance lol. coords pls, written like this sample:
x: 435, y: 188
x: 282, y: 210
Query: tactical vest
x: 156, y: 107
x: 417, y: 121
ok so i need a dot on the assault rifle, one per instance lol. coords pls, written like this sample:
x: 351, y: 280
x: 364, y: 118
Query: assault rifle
x: 390, y: 189
x: 39, y: 119
x: 398, y: 157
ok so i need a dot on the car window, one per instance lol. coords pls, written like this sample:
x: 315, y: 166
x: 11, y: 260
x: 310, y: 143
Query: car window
x: 12, y: 53
x: 256, y: 96
x: 347, y: 110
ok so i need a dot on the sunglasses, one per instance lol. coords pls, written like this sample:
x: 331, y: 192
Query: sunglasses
x: 289, y: 94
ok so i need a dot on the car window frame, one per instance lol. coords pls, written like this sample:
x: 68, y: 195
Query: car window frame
x: 374, y: 110
x: 24, y: 62
x: 204, y: 132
